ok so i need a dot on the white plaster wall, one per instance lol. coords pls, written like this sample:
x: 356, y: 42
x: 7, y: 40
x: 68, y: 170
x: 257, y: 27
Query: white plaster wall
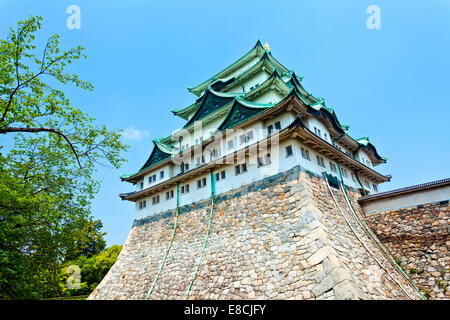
x: 312, y: 122
x: 363, y: 154
x: 407, y: 200
x: 244, y: 67
x: 233, y: 181
x: 270, y: 96
x: 257, y: 78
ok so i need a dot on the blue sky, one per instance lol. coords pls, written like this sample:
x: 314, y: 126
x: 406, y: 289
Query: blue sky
x: 391, y: 84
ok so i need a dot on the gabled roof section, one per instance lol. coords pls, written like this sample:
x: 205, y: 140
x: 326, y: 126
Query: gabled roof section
x: 365, y: 144
x: 294, y: 83
x: 210, y: 102
x: 264, y: 63
x: 318, y: 109
x: 241, y: 111
x: 224, y: 75
x: 273, y: 81
x: 160, y: 152
x: 257, y: 50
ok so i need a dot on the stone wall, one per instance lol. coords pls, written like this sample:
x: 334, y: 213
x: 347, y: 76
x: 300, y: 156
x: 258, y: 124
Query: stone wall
x: 279, y: 238
x: 418, y: 236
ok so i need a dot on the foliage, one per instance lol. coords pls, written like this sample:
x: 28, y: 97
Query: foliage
x: 93, y: 270
x: 46, y: 183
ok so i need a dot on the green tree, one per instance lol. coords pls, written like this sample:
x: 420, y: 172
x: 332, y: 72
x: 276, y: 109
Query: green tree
x: 88, y: 239
x: 46, y: 183
x: 93, y: 270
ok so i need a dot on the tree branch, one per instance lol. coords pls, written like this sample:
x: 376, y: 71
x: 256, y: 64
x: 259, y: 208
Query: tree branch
x: 51, y: 130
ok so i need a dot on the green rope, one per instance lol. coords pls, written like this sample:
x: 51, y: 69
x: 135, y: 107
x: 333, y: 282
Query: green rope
x: 170, y: 243
x: 213, y: 187
x: 373, y: 238
x: 357, y: 178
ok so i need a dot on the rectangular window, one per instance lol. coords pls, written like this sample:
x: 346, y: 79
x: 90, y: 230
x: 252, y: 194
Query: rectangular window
x: 305, y: 154
x: 201, y: 183
x: 375, y: 187
x: 155, y: 200
x: 264, y: 160
x: 222, y: 174
x: 161, y: 175
x: 353, y: 177
x: 154, y: 177
x: 171, y: 194
x: 230, y: 145
x: 142, y: 185
x: 167, y: 195
x: 215, y: 153
x: 278, y: 125
x: 269, y: 130
x: 246, y: 137
x: 344, y: 173
x: 260, y: 161
x: 187, y: 188
x: 200, y: 160
x: 217, y: 176
x: 240, y: 168
x: 367, y: 183
x: 186, y: 166
x: 316, y: 131
x: 288, y: 151
x: 325, y: 136
x: 142, y: 204
x: 333, y: 167
x: 182, y: 189
x: 320, y: 161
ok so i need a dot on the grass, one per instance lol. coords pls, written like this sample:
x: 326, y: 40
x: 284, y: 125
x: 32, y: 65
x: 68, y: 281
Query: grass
x: 70, y: 298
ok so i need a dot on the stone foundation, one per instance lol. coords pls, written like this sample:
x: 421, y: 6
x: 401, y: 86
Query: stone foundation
x: 418, y: 237
x: 279, y: 238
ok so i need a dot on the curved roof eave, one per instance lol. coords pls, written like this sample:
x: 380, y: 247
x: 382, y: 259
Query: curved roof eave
x: 160, y: 150
x: 366, y: 144
x: 197, y: 90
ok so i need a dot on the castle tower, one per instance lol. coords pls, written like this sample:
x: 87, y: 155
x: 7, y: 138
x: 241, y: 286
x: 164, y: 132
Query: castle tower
x: 255, y: 198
